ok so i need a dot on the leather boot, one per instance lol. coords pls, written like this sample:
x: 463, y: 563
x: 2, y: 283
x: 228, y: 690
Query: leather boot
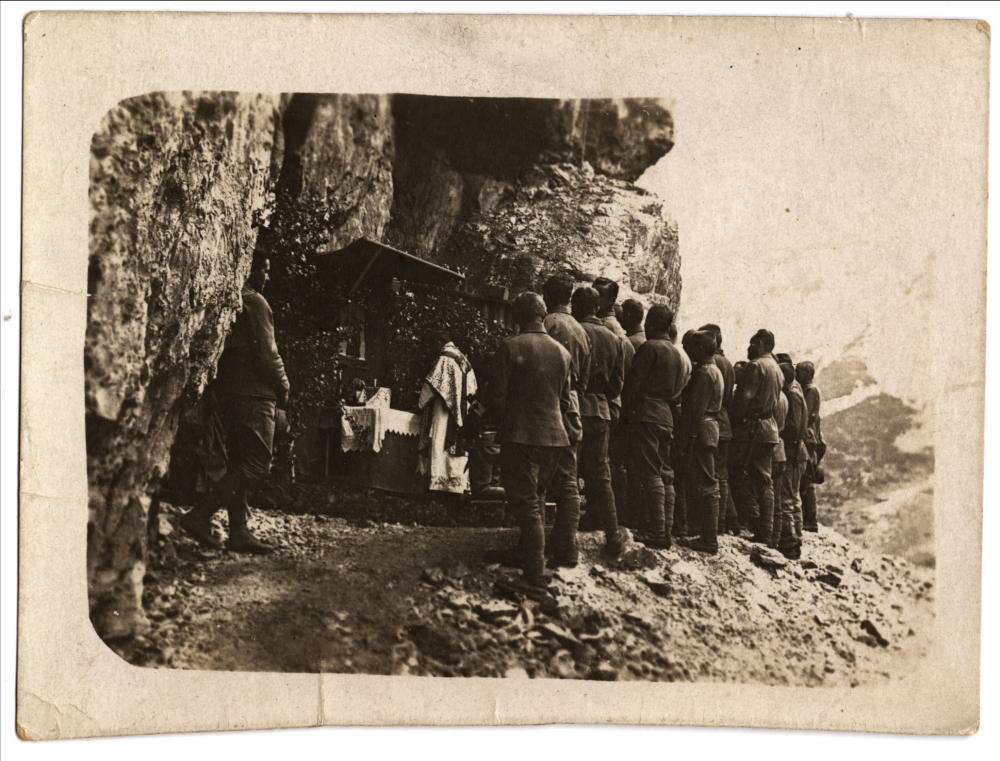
x: 679, y: 524
x: 789, y: 545
x: 532, y: 548
x: 710, y: 520
x: 723, y: 503
x: 809, y: 509
x: 699, y: 545
x: 197, y: 522
x: 657, y: 533
x: 240, y: 538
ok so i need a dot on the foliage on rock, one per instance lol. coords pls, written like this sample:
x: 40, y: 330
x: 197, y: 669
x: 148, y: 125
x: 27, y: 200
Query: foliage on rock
x: 564, y: 218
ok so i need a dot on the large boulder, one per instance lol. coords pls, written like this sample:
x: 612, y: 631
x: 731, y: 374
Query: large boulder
x: 176, y: 182
x: 563, y: 218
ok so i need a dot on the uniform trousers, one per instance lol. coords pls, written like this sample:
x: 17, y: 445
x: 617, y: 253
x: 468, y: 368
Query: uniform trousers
x: 702, y: 492
x: 525, y: 473
x: 564, y: 490
x: 595, y: 470
x: 750, y: 469
x: 728, y: 519
x: 651, y: 452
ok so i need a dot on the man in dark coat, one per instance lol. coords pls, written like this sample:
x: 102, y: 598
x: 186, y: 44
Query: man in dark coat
x: 805, y: 374
x: 698, y: 439
x: 607, y: 374
x: 564, y: 488
x: 728, y: 519
x: 792, y: 440
x: 755, y: 435
x: 632, y: 313
x: 250, y: 382
x: 654, y: 381
x: 531, y: 399
x: 608, y: 311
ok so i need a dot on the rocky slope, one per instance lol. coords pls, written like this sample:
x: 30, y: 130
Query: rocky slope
x: 330, y: 600
x: 185, y: 187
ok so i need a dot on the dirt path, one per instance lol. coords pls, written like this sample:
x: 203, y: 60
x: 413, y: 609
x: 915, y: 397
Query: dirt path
x: 390, y: 599
x: 331, y: 600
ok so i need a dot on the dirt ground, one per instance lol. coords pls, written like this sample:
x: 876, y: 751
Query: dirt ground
x: 393, y: 599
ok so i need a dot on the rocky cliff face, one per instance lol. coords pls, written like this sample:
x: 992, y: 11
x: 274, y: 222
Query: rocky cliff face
x: 175, y: 183
x: 508, y: 191
x: 336, y: 166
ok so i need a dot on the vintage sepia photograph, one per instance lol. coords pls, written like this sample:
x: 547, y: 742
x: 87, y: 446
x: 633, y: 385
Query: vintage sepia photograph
x: 501, y: 370
x: 417, y: 385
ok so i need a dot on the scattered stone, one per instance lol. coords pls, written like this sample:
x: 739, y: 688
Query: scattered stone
x: 639, y: 557
x: 433, y: 575
x: 458, y: 602
x: 562, y: 665
x: 830, y: 579
x: 638, y: 620
x: 807, y: 565
x: 689, y: 569
x: 484, y: 639
x: 516, y: 672
x: 657, y: 584
x: 564, y: 636
x: 498, y: 612
x: 869, y: 627
x: 766, y: 558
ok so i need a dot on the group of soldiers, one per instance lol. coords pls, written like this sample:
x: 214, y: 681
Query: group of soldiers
x: 657, y: 433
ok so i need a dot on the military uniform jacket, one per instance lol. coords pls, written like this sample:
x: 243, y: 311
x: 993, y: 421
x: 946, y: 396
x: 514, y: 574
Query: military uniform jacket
x: 250, y: 364
x: 531, y: 389
x: 755, y: 399
x: 701, y: 404
x: 566, y: 330
x: 780, y: 420
x: 794, y: 431
x: 657, y: 378
x: 607, y: 369
x: 729, y: 380
x: 812, y: 397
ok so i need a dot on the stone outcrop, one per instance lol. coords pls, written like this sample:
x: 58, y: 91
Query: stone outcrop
x: 186, y: 186
x: 338, y: 153
x: 561, y: 218
x: 176, y: 180
x: 510, y: 191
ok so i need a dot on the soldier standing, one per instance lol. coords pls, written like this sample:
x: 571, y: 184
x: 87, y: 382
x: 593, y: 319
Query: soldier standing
x: 805, y: 374
x: 251, y: 382
x: 531, y: 399
x: 727, y: 510
x: 607, y: 374
x: 755, y: 435
x: 699, y: 440
x: 656, y: 378
x: 564, y: 487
